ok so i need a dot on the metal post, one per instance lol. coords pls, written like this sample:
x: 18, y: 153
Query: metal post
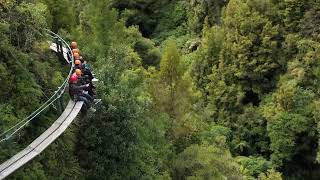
x: 60, y: 49
x: 56, y: 39
x: 60, y: 46
x: 61, y: 104
x: 69, y: 57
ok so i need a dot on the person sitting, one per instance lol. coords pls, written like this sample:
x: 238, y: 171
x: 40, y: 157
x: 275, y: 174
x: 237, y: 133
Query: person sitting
x: 78, y: 92
x: 85, y: 80
x: 75, y: 51
x: 86, y: 71
x: 84, y: 63
x: 77, y: 65
x: 76, y: 56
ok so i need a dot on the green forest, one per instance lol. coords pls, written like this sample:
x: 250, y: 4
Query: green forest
x: 190, y: 89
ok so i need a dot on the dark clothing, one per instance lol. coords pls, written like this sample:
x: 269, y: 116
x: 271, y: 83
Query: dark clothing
x: 84, y: 80
x: 87, y: 72
x: 77, y: 93
x: 77, y: 67
x: 87, y: 66
x: 76, y: 89
x: 86, y: 102
x: 85, y: 69
x: 87, y: 80
x: 87, y: 96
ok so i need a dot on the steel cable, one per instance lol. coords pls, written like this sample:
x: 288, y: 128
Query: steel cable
x: 17, y: 127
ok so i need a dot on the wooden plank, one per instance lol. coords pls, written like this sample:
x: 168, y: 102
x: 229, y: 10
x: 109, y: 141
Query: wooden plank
x: 23, y: 159
x: 68, y: 107
x: 53, y: 47
x: 61, y: 129
x: 46, y: 138
x: 43, y: 141
x: 13, y: 159
x: 8, y: 167
x: 54, y: 126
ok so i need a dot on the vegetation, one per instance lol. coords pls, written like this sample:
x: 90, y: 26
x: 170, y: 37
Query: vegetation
x: 190, y: 89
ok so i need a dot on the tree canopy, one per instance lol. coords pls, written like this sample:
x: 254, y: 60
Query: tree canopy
x: 190, y: 89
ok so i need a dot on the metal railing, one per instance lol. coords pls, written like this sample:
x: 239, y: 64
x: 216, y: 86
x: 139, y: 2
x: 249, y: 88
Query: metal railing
x: 61, y: 44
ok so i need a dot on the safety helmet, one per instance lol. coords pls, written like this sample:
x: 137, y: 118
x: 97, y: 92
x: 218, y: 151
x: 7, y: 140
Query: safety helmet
x: 73, y: 79
x: 74, y: 45
x: 75, y: 51
x: 76, y: 55
x: 78, y: 72
x: 77, y: 62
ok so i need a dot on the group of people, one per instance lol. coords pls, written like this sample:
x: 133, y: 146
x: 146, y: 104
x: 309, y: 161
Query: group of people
x: 81, y: 87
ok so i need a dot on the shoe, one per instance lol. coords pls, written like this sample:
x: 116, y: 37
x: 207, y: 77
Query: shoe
x: 95, y: 80
x: 96, y: 101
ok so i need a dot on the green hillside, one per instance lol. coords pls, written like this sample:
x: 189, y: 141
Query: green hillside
x: 190, y: 89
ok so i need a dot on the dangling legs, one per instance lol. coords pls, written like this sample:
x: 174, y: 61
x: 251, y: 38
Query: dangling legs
x: 88, y: 97
x: 85, y: 101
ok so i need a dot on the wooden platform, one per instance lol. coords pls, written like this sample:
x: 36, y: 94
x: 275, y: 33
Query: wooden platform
x: 53, y: 47
x: 43, y: 141
x: 46, y: 138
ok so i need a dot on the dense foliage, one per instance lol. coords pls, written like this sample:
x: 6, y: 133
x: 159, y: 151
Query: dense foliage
x: 190, y: 89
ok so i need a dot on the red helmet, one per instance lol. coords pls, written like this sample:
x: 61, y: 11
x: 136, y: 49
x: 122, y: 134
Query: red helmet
x: 73, y: 79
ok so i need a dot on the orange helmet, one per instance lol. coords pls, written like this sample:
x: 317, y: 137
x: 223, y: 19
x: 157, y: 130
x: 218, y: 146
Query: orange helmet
x: 77, y: 62
x: 78, y: 72
x: 74, y: 45
x: 76, y: 55
x: 75, y: 51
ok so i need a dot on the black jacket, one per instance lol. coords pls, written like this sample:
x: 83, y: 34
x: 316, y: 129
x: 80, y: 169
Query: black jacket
x: 77, y: 89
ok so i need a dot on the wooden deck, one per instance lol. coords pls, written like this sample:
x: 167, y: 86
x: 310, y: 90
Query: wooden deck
x: 46, y: 138
x: 53, y: 47
x: 43, y: 141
